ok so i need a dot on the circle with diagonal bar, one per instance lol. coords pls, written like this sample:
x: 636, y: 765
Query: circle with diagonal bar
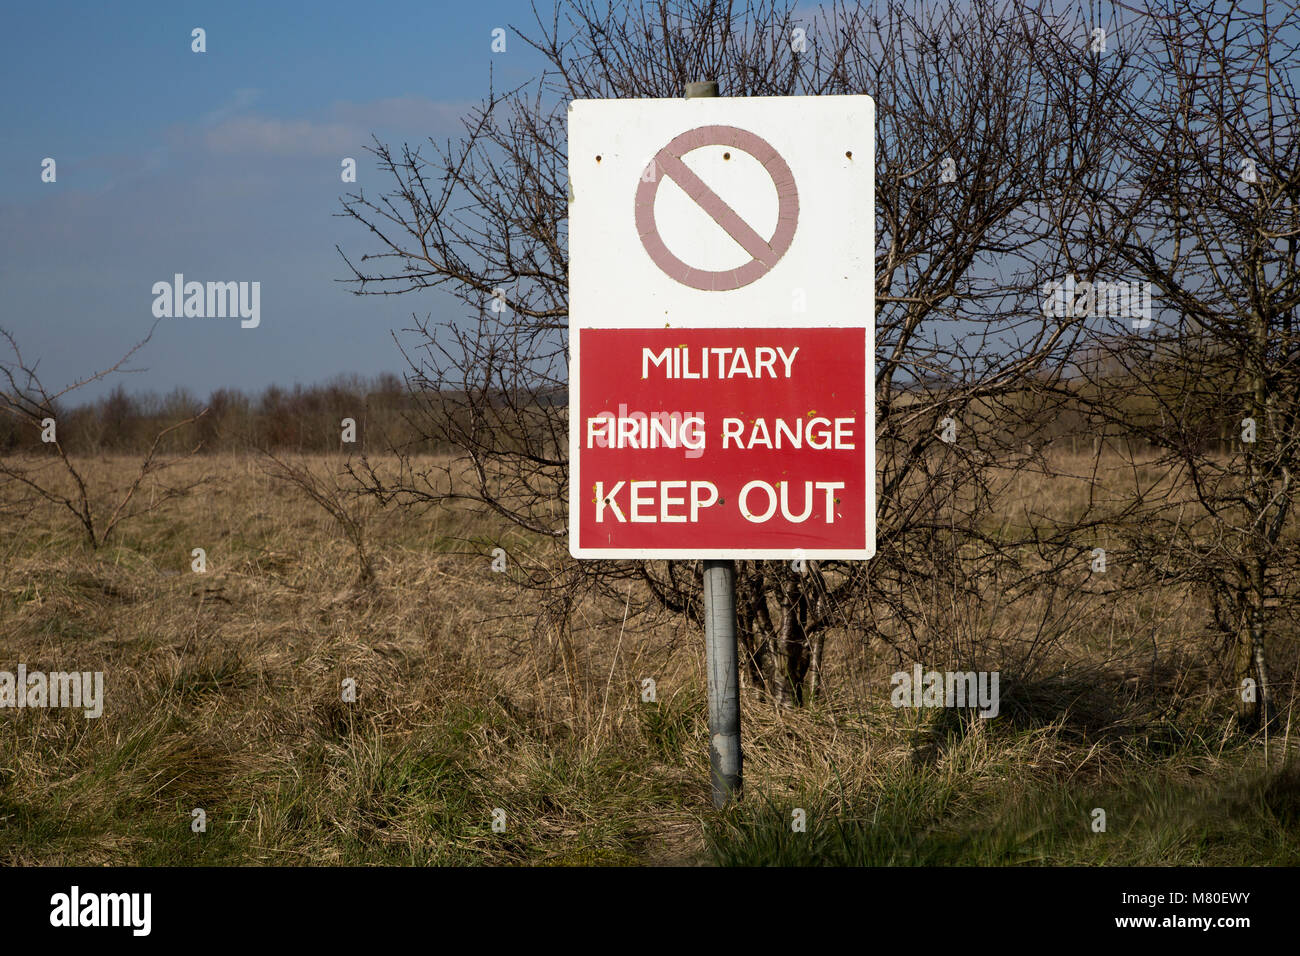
x: 764, y: 253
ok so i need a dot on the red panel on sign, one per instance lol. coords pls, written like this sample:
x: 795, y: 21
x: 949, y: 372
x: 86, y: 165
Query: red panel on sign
x: 723, y: 438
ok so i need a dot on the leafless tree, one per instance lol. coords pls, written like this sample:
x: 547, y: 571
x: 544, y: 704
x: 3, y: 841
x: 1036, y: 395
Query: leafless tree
x: 1204, y: 205
x: 337, y: 495
x: 27, y: 401
x: 990, y: 119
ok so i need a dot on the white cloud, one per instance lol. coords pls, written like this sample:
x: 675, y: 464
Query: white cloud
x: 434, y: 116
x: 260, y: 135
x: 347, y: 127
x: 242, y: 100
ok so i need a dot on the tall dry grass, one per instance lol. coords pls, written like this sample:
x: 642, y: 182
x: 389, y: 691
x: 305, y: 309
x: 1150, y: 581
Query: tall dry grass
x: 224, y: 693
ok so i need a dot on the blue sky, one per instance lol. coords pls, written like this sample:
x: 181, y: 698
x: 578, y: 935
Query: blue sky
x: 223, y: 166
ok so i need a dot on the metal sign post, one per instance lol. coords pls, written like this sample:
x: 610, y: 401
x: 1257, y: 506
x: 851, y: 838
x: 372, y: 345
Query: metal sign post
x: 721, y: 652
x: 726, y: 763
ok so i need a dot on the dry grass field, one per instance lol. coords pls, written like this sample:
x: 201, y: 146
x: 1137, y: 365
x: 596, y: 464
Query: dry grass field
x: 223, y: 693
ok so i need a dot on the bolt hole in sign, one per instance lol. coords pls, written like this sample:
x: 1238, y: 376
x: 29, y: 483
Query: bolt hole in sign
x: 721, y: 306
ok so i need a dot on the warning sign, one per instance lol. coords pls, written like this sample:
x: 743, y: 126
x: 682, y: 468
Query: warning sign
x: 721, y: 304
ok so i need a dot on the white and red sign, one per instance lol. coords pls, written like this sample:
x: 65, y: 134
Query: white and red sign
x: 721, y: 283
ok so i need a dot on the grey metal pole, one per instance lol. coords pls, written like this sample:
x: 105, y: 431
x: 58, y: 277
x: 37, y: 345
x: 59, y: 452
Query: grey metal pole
x: 701, y: 88
x: 725, y: 759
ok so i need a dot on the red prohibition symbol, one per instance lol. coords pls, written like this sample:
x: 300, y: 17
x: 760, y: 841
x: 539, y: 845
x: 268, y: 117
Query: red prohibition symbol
x: 765, y: 253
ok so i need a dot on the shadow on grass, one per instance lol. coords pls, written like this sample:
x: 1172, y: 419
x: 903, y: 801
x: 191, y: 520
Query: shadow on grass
x: 1086, y: 708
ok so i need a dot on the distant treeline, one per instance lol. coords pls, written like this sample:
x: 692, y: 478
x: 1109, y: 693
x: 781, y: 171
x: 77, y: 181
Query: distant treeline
x: 302, y: 419
x: 386, y: 415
